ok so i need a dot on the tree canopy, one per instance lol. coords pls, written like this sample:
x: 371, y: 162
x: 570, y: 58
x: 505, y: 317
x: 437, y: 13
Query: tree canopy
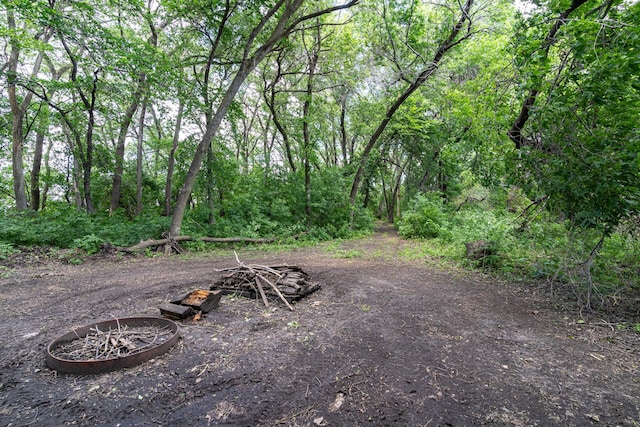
x: 313, y: 116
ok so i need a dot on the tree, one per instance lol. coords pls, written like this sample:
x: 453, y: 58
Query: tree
x: 270, y: 94
x: 581, y: 146
x: 143, y: 60
x: 276, y: 24
x: 19, y: 106
x: 542, y: 54
x: 460, y: 31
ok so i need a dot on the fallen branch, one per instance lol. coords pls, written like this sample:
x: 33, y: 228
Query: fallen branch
x: 170, y: 241
x: 277, y: 291
x: 470, y: 200
x: 262, y: 294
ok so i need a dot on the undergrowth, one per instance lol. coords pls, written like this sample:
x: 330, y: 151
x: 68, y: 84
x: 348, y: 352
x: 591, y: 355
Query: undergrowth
x: 537, y: 247
x: 65, y: 227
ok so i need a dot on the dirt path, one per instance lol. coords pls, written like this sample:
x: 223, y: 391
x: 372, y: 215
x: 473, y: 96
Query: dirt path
x: 385, y: 342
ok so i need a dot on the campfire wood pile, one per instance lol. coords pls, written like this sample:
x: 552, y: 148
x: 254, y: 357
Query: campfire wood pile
x: 284, y: 282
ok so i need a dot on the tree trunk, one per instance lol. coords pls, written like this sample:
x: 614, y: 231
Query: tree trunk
x: 88, y: 160
x: 16, y: 163
x: 306, y: 149
x: 343, y: 129
x: 18, y: 110
x: 35, y: 170
x: 139, y: 155
x: 423, y: 182
x: 120, y: 145
x: 211, y: 217
x: 394, y: 207
x: 387, y: 203
x: 267, y: 148
x: 172, y: 159
x: 47, y: 173
x: 74, y: 175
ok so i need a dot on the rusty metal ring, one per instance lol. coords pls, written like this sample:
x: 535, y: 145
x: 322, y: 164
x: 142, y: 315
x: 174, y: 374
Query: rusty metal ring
x: 112, y: 364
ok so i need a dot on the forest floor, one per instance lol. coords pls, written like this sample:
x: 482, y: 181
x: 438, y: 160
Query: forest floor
x: 385, y: 342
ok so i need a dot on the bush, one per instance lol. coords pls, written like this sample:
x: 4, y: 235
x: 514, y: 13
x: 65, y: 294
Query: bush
x: 90, y: 244
x: 57, y: 226
x: 6, y: 250
x: 425, y: 217
x: 64, y: 226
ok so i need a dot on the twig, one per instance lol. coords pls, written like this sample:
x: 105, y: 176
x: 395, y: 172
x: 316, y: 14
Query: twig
x: 262, y: 294
x: 275, y: 288
x: 102, y: 345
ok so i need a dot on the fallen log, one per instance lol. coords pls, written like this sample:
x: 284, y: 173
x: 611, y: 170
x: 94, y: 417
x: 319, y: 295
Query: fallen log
x: 236, y: 240
x: 151, y: 243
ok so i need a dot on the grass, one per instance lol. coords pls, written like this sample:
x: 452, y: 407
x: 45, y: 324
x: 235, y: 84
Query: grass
x: 544, y: 250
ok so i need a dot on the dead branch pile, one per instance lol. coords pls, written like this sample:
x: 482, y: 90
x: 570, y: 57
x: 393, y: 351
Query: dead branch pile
x: 112, y: 343
x: 284, y: 282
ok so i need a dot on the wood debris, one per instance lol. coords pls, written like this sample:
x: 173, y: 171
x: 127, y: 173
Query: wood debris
x: 286, y: 283
x: 195, y: 303
x: 176, y: 311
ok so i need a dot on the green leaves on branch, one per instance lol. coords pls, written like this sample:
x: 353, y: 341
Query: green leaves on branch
x: 584, y: 137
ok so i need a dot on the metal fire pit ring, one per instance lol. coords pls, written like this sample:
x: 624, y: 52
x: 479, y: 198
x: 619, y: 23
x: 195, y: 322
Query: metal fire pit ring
x: 95, y: 366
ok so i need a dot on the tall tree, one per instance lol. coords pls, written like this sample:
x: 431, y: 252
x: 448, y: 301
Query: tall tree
x: 515, y: 133
x: 88, y: 94
x: 581, y: 143
x: 142, y: 66
x: 313, y: 53
x: 172, y: 159
x: 270, y: 94
x: 19, y: 106
x: 282, y: 16
x: 461, y: 30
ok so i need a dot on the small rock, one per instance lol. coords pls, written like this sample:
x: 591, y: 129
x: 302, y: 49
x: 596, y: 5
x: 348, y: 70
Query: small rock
x: 337, y: 404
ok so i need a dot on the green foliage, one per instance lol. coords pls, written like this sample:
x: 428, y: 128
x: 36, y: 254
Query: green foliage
x: 90, y: 244
x: 58, y: 226
x: 274, y: 206
x: 546, y: 249
x: 424, y: 217
x: 586, y: 140
x: 66, y: 227
x: 6, y: 250
x: 121, y: 230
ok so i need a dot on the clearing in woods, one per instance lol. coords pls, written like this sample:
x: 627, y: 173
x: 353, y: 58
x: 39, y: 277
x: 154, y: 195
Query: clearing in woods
x: 385, y: 342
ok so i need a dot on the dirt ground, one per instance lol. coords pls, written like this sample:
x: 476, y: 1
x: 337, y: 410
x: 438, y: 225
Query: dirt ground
x: 385, y: 342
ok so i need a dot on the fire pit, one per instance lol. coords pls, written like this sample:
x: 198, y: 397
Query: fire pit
x: 112, y: 344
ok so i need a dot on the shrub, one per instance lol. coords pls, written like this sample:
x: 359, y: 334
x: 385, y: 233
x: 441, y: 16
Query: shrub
x: 90, y: 244
x: 425, y: 217
x: 6, y: 250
